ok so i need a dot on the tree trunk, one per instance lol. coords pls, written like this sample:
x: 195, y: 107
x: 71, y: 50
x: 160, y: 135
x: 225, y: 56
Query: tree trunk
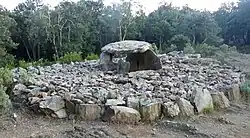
x: 26, y: 48
x: 194, y: 39
x: 69, y: 33
x: 120, y: 31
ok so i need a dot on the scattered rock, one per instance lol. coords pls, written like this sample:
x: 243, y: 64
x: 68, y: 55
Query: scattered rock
x: 18, y: 89
x: 61, y: 113
x: 186, y: 108
x: 114, y: 102
x: 133, y: 102
x: 121, y: 114
x: 171, y: 109
x: 54, y: 103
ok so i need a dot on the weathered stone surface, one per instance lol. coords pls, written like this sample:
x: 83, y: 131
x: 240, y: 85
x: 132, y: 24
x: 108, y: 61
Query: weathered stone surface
x: 86, y: 83
x: 60, y: 113
x: 220, y: 101
x: 123, y: 67
x: 150, y: 111
x: 89, y: 112
x: 132, y: 102
x: 233, y: 93
x: 53, y: 103
x: 121, y: 114
x: 186, y: 109
x: 203, y: 100
x: 171, y: 109
x: 144, y: 61
x: 18, y: 89
x: 114, y: 102
x: 34, y: 100
x: 70, y: 107
x: 124, y: 47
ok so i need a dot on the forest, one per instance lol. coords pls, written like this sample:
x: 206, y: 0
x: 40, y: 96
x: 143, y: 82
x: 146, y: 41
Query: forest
x: 34, y: 31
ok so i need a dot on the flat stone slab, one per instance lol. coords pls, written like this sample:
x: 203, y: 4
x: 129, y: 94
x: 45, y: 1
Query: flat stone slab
x: 125, y: 47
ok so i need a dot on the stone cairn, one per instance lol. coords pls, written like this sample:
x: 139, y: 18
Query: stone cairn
x: 186, y: 85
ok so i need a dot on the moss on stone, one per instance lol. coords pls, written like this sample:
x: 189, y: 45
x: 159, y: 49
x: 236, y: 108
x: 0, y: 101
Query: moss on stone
x: 208, y: 109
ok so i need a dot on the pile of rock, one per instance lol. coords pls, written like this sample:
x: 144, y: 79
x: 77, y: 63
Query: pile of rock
x: 186, y: 84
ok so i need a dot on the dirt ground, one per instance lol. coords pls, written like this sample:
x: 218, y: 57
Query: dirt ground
x: 231, y: 123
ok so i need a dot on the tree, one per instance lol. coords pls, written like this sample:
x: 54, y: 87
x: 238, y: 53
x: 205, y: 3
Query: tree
x: 6, y: 43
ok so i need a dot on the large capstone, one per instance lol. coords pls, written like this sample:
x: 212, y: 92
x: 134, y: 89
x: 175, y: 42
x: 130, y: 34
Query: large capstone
x: 139, y: 56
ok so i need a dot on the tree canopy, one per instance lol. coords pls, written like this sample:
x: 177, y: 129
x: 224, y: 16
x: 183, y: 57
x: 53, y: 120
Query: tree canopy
x: 33, y: 30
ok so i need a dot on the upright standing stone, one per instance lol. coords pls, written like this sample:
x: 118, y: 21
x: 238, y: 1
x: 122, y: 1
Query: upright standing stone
x: 233, y: 93
x: 171, y: 109
x: 186, y: 108
x: 89, y: 112
x: 122, y: 114
x: 220, y: 100
x: 150, y: 111
x: 203, y: 100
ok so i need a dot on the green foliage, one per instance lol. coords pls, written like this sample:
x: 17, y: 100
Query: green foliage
x: 70, y: 57
x: 6, y: 82
x: 23, y: 64
x: 208, y: 109
x: 205, y: 50
x: 188, y: 49
x: 154, y: 48
x: 7, y: 61
x: 180, y: 41
x: 92, y: 57
x: 6, y: 78
x: 4, y: 100
x: 171, y: 48
x: 245, y: 87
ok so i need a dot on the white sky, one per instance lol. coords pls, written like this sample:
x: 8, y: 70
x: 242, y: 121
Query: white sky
x: 149, y: 5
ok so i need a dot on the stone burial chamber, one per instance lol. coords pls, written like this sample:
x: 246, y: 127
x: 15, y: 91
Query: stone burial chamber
x: 133, y: 56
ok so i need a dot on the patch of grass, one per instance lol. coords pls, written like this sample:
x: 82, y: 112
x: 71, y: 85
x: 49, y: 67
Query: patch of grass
x: 92, y: 57
x: 208, y: 109
x: 71, y: 57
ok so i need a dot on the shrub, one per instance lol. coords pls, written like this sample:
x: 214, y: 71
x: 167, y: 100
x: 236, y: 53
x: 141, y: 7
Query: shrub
x: 92, y: 57
x: 205, y: 50
x: 4, y: 100
x: 154, y: 48
x: 70, y: 57
x: 188, y: 49
x: 171, y: 48
x: 23, y: 64
x: 6, y: 77
x: 180, y: 41
x: 245, y: 87
x: 7, y: 61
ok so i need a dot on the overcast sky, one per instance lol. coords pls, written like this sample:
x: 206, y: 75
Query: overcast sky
x: 149, y: 5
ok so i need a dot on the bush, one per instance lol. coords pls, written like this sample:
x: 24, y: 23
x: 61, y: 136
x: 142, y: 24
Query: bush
x: 245, y: 87
x: 7, y: 61
x: 6, y: 77
x: 180, y: 41
x: 171, y: 48
x: 92, y: 57
x: 70, y: 57
x: 206, y: 50
x: 154, y: 48
x: 6, y: 81
x: 23, y: 64
x: 188, y: 49
x: 5, y: 102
